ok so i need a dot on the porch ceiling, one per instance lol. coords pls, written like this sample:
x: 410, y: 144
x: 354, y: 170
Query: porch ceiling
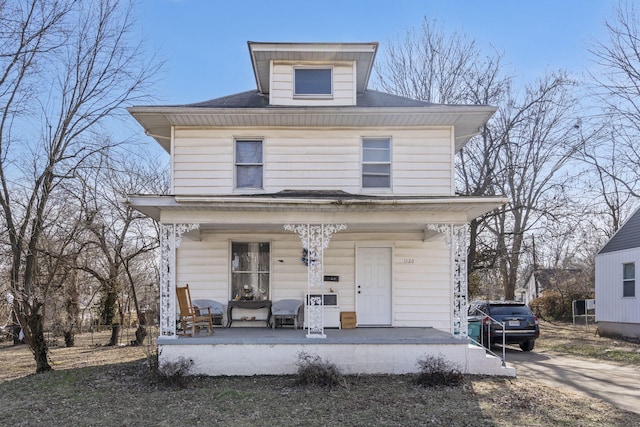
x: 266, y: 214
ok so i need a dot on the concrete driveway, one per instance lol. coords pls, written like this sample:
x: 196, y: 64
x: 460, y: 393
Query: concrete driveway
x: 618, y: 385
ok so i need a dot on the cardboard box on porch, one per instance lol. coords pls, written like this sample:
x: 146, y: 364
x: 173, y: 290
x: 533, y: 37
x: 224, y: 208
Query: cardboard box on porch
x: 347, y: 319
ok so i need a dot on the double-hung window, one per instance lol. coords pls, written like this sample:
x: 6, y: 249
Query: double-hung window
x: 249, y: 166
x: 376, y: 163
x: 313, y: 82
x: 629, y: 279
x: 250, y: 264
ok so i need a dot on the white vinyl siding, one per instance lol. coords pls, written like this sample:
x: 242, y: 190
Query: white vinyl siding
x: 420, y: 290
x: 312, y: 159
x: 282, y: 80
x: 611, y: 306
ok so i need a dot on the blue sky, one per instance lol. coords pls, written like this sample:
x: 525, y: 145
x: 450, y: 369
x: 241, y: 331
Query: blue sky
x: 204, y: 42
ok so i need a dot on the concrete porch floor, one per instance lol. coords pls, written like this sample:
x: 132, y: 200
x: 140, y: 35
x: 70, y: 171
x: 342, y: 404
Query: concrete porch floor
x: 288, y: 335
x: 264, y: 351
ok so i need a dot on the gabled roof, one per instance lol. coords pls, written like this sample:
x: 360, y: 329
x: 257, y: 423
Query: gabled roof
x: 372, y: 109
x: 263, y: 53
x: 549, y: 277
x: 627, y: 236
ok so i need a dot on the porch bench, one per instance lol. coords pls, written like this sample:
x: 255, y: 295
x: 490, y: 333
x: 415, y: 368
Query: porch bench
x: 217, y: 309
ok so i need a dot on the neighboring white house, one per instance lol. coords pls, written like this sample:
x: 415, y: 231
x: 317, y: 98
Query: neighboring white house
x: 314, y: 184
x: 617, y: 294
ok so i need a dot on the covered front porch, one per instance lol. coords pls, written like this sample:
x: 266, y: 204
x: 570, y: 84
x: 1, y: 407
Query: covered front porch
x: 421, y: 243
x: 264, y: 351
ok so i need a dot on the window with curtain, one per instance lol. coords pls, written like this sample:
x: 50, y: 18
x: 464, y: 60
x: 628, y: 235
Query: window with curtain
x: 250, y: 265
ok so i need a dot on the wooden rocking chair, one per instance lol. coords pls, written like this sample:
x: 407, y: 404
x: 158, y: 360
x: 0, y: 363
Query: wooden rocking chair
x: 192, y: 317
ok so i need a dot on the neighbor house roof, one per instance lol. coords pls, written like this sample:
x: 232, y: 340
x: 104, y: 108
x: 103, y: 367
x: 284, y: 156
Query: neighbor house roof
x: 627, y: 236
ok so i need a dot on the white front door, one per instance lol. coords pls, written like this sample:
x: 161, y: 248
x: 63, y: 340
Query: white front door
x: 373, y: 287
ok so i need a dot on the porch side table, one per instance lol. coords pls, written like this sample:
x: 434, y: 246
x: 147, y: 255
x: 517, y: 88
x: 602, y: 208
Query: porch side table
x: 250, y: 305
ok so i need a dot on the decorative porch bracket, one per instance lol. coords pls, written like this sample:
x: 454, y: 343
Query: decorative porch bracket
x: 455, y: 236
x: 315, y: 239
x: 170, y: 239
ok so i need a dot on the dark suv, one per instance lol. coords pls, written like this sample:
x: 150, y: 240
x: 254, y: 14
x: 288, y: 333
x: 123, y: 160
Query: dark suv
x: 520, y: 324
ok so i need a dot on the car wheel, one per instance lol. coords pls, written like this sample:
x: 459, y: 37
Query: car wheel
x: 527, y: 345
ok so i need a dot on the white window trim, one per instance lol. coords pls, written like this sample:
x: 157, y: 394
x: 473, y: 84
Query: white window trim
x: 376, y: 189
x: 311, y: 96
x: 237, y: 189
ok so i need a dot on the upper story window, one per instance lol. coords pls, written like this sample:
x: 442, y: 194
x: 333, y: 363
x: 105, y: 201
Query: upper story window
x: 629, y: 279
x: 376, y: 163
x: 249, y: 164
x: 313, y: 82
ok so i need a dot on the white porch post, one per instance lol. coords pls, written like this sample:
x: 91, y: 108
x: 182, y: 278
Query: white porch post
x: 455, y: 237
x: 315, y: 239
x: 170, y: 239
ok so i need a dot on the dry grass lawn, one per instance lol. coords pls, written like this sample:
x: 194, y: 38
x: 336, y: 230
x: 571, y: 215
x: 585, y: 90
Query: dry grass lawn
x: 97, y: 385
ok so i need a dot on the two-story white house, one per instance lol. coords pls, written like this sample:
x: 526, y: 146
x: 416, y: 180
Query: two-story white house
x: 313, y: 184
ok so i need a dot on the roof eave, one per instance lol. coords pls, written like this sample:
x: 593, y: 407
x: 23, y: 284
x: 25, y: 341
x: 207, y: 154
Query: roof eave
x: 473, y: 207
x: 158, y: 120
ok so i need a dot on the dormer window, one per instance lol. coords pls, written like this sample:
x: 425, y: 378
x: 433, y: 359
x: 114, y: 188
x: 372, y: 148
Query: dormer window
x: 313, y: 82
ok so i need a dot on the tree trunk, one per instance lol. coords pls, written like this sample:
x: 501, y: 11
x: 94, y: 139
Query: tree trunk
x: 34, y: 334
x: 115, y: 331
x: 108, y: 305
x: 72, y: 314
x: 141, y: 334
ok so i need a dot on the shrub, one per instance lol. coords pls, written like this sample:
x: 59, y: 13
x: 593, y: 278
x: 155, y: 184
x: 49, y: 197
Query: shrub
x: 553, y: 305
x: 437, y: 371
x: 174, y: 374
x: 312, y: 370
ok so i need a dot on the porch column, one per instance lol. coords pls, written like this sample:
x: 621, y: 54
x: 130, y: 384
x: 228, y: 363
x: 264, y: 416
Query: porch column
x: 315, y: 239
x: 170, y: 239
x: 455, y: 236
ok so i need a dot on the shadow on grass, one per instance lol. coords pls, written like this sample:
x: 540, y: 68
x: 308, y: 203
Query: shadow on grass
x: 98, y: 395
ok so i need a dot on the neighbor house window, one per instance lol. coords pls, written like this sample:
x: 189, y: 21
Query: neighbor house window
x: 250, y: 264
x: 629, y: 279
x: 376, y: 163
x: 249, y: 164
x: 313, y: 82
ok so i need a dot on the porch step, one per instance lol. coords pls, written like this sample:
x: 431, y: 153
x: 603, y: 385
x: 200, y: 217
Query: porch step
x: 482, y: 363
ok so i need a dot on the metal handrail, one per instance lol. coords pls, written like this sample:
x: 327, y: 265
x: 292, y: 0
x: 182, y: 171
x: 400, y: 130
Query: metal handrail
x: 488, y: 348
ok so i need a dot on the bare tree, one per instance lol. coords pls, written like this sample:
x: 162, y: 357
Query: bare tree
x: 616, y: 86
x: 67, y: 66
x: 116, y: 236
x: 538, y: 141
x: 429, y: 65
x: 520, y: 153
